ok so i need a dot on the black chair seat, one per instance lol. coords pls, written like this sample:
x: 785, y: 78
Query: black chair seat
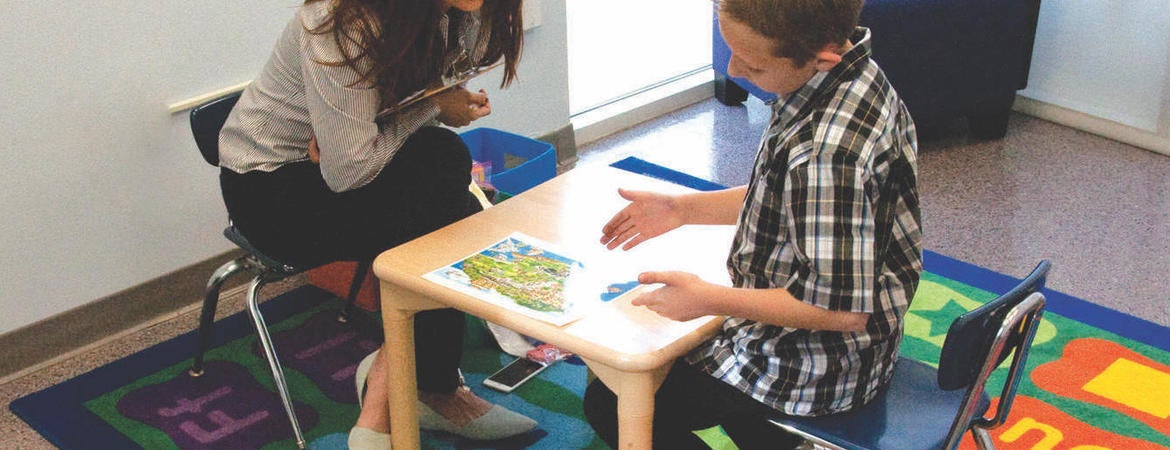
x: 272, y: 264
x: 913, y: 413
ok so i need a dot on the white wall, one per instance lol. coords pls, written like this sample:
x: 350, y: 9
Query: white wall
x: 1104, y: 67
x: 103, y: 188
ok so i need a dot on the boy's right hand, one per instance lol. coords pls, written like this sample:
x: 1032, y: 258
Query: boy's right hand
x: 648, y: 215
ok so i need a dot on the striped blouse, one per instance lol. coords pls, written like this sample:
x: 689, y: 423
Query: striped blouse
x: 831, y: 214
x: 295, y: 98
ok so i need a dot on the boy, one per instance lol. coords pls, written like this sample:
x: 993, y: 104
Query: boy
x: 827, y: 251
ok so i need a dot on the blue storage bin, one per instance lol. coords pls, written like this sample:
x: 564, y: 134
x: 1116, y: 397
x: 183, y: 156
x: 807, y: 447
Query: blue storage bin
x: 518, y: 163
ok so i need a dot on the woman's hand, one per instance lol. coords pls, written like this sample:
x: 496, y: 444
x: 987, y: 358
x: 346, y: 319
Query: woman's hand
x: 649, y: 214
x: 314, y: 150
x: 459, y: 107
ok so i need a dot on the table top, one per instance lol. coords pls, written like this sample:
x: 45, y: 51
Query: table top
x: 568, y: 212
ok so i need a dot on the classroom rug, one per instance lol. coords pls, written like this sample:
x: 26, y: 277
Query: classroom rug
x: 1099, y: 378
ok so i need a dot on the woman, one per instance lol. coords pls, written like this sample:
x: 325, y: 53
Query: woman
x: 313, y: 173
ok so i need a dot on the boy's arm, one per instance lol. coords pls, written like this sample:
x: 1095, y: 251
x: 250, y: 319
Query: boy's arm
x: 650, y: 214
x: 714, y: 207
x: 685, y: 296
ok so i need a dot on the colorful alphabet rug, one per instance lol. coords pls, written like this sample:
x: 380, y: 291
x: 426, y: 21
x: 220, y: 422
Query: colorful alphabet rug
x: 1098, y: 379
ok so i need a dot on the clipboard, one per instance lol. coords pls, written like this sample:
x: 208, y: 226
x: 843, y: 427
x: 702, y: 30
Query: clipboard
x: 422, y: 94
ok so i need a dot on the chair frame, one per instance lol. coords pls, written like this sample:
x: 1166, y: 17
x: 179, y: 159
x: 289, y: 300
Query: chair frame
x: 1015, y: 315
x: 206, y: 121
x: 1024, y: 316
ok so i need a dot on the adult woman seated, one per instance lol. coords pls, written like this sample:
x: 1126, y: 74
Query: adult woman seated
x: 313, y: 173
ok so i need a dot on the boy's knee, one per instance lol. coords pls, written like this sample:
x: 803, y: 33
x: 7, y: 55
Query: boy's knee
x: 599, y: 403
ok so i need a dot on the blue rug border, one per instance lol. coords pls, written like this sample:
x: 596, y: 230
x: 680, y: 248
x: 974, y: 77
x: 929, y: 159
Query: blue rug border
x: 58, y: 413
x: 643, y: 167
x: 1114, y: 321
x: 1117, y: 322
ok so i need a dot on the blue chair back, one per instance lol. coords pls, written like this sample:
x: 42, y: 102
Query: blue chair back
x: 969, y: 339
x: 206, y: 121
x: 980, y: 341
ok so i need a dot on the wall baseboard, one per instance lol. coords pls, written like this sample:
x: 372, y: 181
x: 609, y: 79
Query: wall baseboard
x: 81, y: 327
x: 564, y: 140
x: 1092, y: 124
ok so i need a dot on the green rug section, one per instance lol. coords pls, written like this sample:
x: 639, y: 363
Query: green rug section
x: 939, y: 300
x: 335, y: 417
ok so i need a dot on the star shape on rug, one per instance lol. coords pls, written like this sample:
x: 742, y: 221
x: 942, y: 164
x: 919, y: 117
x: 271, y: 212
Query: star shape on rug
x: 940, y: 319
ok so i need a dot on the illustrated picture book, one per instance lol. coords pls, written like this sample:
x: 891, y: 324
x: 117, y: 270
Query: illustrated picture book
x: 528, y: 276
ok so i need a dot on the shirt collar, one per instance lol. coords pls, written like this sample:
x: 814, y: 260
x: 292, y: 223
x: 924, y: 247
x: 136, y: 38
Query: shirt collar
x: 822, y: 84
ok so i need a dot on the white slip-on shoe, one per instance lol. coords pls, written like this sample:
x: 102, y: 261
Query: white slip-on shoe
x: 497, y: 423
x: 363, y: 372
x: 362, y: 438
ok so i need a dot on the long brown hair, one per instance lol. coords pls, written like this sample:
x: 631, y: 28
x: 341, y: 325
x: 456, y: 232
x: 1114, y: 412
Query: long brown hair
x: 402, y: 41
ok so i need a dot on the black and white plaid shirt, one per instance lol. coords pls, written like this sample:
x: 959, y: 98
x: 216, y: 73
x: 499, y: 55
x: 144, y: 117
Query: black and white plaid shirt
x: 831, y: 215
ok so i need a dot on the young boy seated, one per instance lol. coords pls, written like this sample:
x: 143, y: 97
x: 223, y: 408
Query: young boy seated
x: 827, y: 252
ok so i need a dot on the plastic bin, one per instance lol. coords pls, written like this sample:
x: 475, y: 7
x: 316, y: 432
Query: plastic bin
x: 517, y: 163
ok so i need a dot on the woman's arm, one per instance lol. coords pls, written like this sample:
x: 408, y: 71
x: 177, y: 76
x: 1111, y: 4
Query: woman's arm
x: 353, y: 147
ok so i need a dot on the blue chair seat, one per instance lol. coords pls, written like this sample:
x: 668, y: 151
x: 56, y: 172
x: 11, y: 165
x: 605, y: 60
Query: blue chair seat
x: 913, y: 413
x: 928, y: 408
x: 233, y: 234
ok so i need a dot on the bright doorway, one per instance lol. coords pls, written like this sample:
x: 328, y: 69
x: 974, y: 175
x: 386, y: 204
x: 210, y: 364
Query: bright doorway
x: 618, y: 48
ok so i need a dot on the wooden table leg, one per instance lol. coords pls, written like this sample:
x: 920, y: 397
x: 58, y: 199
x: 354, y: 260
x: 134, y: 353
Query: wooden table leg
x: 403, y: 387
x: 635, y: 402
x: 398, y: 309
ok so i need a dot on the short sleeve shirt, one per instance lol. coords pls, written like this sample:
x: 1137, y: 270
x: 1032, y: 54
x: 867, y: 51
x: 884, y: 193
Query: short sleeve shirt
x: 831, y: 215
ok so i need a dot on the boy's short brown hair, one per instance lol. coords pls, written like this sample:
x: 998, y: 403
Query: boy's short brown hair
x: 800, y: 28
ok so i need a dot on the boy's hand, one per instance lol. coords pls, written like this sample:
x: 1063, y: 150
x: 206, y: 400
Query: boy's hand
x: 649, y: 214
x: 685, y: 296
x: 459, y: 107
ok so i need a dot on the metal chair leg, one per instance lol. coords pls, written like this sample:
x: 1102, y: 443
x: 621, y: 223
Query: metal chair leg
x: 270, y: 354
x: 355, y: 286
x: 983, y: 440
x: 210, y: 303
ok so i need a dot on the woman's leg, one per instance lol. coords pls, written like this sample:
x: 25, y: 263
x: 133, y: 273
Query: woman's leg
x: 422, y: 189
x: 291, y: 215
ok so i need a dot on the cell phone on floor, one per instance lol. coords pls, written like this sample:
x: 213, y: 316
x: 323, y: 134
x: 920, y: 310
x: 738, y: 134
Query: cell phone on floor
x: 514, y: 374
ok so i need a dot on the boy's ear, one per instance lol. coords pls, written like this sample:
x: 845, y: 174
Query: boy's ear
x: 828, y: 57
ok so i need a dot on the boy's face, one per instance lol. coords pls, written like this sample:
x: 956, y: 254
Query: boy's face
x: 753, y: 60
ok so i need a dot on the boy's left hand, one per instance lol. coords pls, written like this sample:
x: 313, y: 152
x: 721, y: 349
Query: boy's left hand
x: 685, y: 296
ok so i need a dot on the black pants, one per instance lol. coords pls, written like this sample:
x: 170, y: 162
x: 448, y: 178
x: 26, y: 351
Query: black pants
x: 292, y: 215
x: 692, y: 400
